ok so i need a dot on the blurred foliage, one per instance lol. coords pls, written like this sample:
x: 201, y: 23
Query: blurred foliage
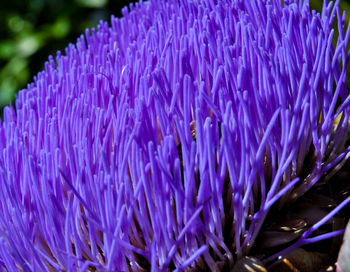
x: 31, y: 30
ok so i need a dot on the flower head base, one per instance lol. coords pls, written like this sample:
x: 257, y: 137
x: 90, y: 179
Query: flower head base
x: 99, y: 165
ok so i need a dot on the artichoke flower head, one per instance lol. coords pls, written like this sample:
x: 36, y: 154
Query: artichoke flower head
x: 163, y: 140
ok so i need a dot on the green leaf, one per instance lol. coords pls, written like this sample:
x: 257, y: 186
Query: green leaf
x: 28, y: 45
x: 91, y: 3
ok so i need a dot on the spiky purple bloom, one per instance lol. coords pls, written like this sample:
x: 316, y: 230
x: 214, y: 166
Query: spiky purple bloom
x: 98, y: 165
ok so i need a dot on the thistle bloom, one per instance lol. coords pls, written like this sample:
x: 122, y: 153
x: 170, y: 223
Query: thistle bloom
x: 162, y: 141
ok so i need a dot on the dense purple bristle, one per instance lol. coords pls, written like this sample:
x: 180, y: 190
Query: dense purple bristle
x: 98, y: 165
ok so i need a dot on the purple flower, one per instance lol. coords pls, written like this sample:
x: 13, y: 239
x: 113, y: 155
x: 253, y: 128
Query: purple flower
x: 161, y: 142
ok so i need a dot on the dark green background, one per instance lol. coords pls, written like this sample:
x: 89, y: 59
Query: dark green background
x: 31, y: 30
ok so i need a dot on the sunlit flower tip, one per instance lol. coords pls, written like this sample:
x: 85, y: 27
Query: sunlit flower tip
x: 163, y: 140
